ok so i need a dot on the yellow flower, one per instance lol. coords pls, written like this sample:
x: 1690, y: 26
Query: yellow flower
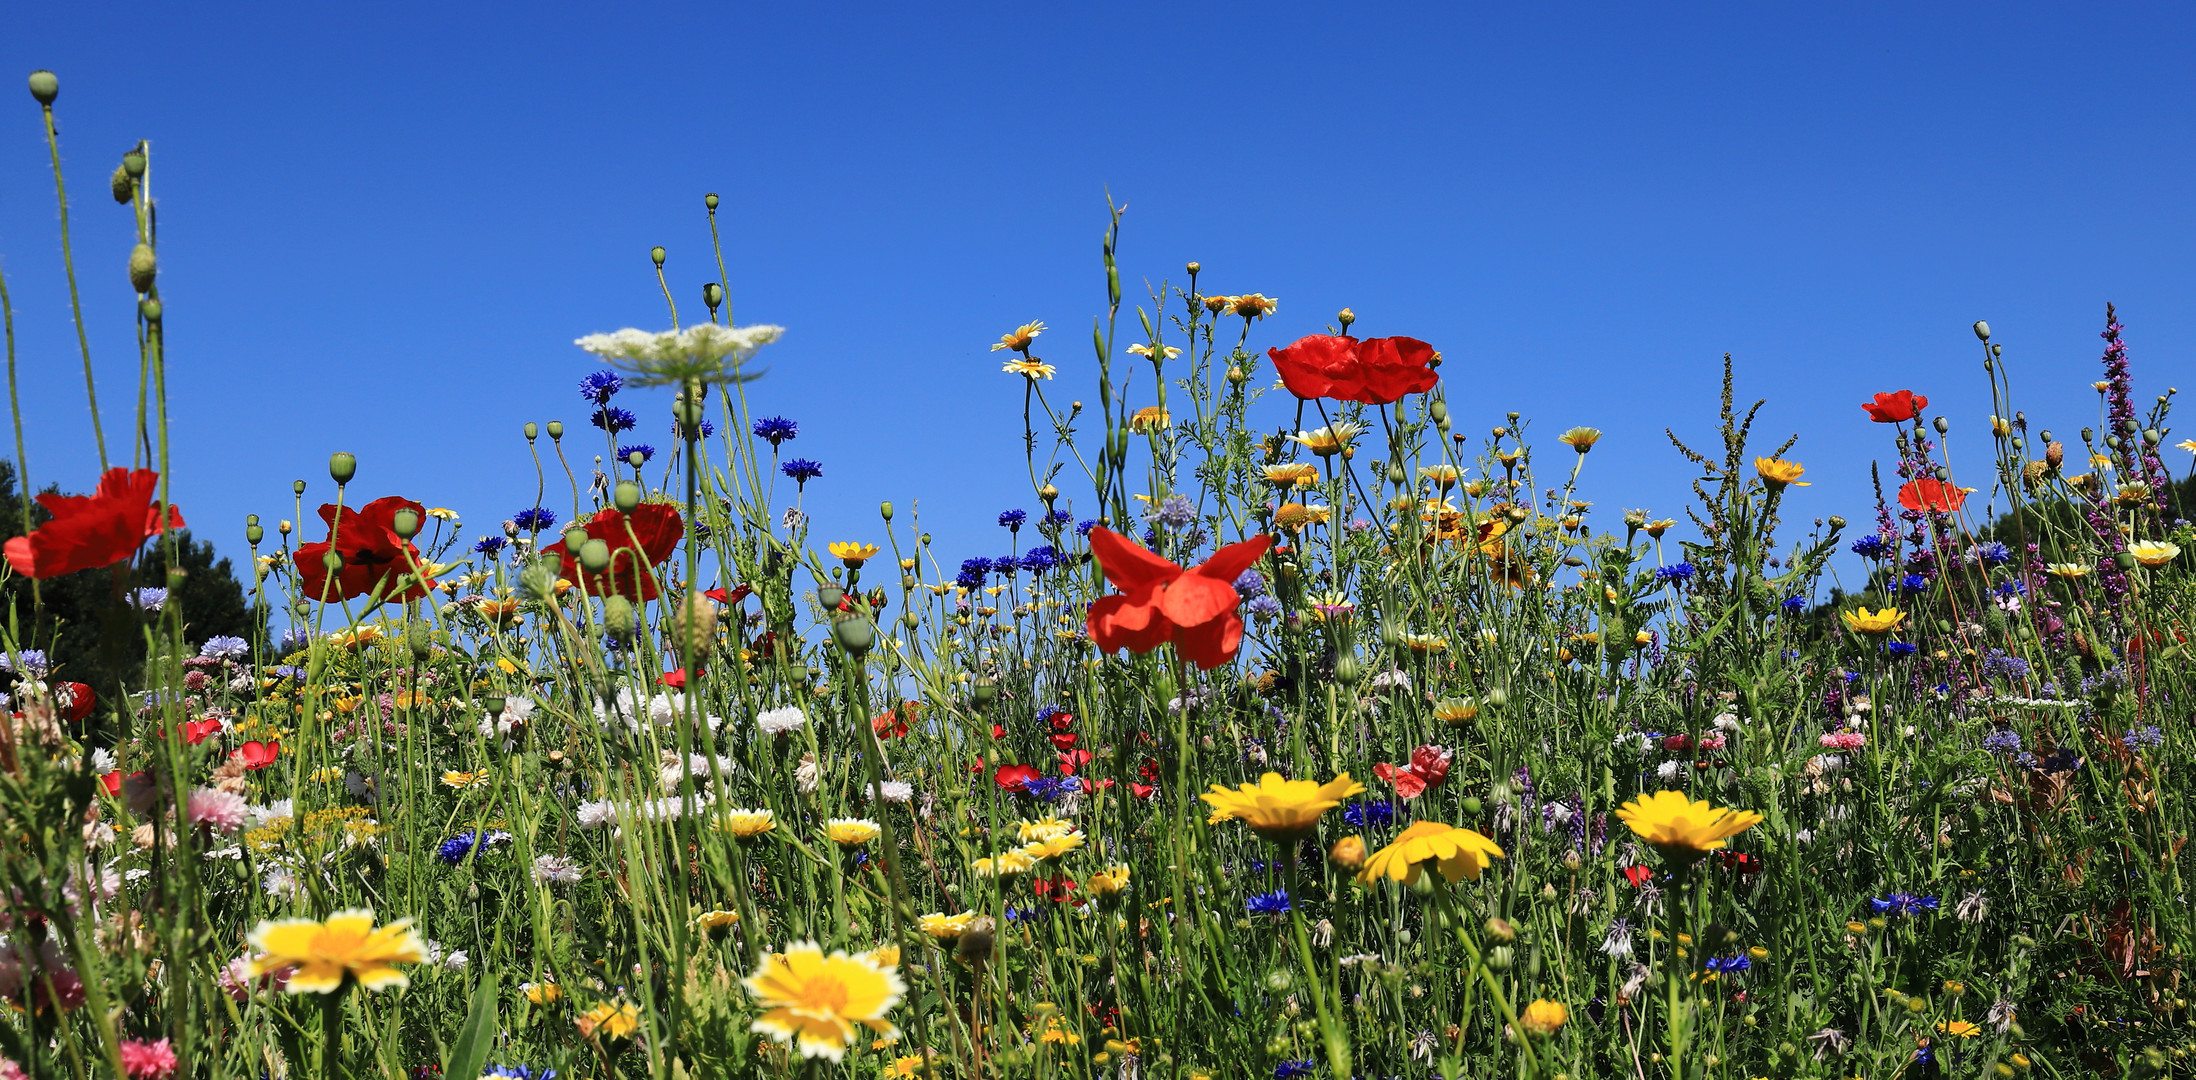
x: 2154, y: 553
x: 1279, y: 809
x: 1053, y: 847
x: 946, y: 927
x: 357, y: 638
x: 1347, y: 853
x: 2068, y: 570
x: 719, y: 919
x: 1111, y: 881
x: 1681, y: 828
x: 1425, y: 643
x: 1159, y: 352
x: 1959, y: 1029
x: 816, y: 1000
x: 1864, y: 621
x: 747, y: 824
x: 1456, y: 712
x: 1254, y: 306
x: 442, y: 513
x: 347, y: 946
x: 1457, y: 853
x: 1021, y: 338
x: 1544, y: 1017
x: 1295, y: 516
x: 1055, y: 1030
x: 542, y: 993
x: 1026, y: 831
x: 464, y: 779
x: 851, y: 553
x: 852, y: 832
x: 1580, y: 439
x: 608, y: 1020
x: 1149, y: 420
x: 2186, y: 444
x: 1329, y: 440
x: 1029, y: 368
x: 1658, y: 527
x: 1015, y: 861
x: 1443, y: 476
x: 1776, y: 472
x: 904, y: 1066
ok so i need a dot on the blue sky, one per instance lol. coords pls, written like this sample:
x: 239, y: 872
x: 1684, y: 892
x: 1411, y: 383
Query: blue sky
x: 381, y: 231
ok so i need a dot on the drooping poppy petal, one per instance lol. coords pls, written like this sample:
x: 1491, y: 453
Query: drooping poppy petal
x: 1895, y: 408
x: 1129, y: 565
x: 91, y: 531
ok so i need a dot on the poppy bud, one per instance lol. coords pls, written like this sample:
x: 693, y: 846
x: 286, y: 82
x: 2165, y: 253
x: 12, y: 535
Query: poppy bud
x: 143, y: 267
x: 532, y: 431
x: 1439, y: 410
x: 1347, y: 669
x: 150, y: 309
x: 1345, y: 317
x: 1194, y: 267
x: 539, y: 579
x: 594, y: 555
x: 123, y: 189
x: 253, y: 533
x: 342, y: 466
x: 421, y: 644
x: 556, y: 429
x: 656, y: 254
x: 626, y: 497
x: 884, y: 510
x: 45, y: 86
x: 712, y: 294
x: 618, y: 618
x: 405, y: 522
x: 636, y: 459
x: 1982, y: 330
x: 332, y: 560
x: 985, y: 692
x: 698, y: 620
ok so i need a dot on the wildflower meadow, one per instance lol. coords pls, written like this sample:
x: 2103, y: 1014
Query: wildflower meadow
x: 1308, y: 718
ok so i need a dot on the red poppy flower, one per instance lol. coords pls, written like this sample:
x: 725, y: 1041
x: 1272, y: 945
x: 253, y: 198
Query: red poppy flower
x: 1063, y: 740
x: 81, y: 701
x: 1933, y: 495
x: 657, y: 528
x: 1429, y: 767
x: 1739, y: 861
x: 1062, y: 721
x: 732, y: 597
x: 259, y: 755
x: 112, y: 782
x: 892, y: 724
x: 1375, y: 371
x: 91, y: 531
x: 1144, y: 791
x: 1073, y: 760
x: 1056, y: 889
x: 1013, y: 777
x: 375, y: 558
x: 1638, y: 875
x: 198, y: 731
x: 1162, y: 602
x: 998, y: 731
x: 1895, y: 408
x: 676, y: 680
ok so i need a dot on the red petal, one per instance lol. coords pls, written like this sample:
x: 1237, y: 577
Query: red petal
x: 1128, y: 565
x: 1320, y: 366
x: 1211, y: 644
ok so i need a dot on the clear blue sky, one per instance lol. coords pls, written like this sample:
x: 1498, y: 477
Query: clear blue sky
x: 383, y: 226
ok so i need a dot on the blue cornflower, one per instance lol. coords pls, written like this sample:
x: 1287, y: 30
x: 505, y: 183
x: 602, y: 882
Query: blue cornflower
x: 288, y: 671
x: 1058, y: 518
x: 1151, y: 538
x: 147, y: 599
x: 295, y: 638
x: 776, y: 429
x: 1005, y: 565
x: 2012, y: 588
x: 34, y: 662
x: 1998, y: 662
x: 1022, y: 914
x: 801, y: 470
x: 1175, y: 513
x: 2003, y: 741
x: 1250, y: 583
x: 1083, y: 528
x: 1293, y: 1070
x: 1795, y: 604
x: 1914, y: 583
x: 599, y: 386
x: 1992, y: 553
x: 1265, y: 607
x: 517, y: 1072
x: 1871, y: 547
x: 535, y: 520
x: 1272, y: 903
x: 612, y: 419
x: 973, y: 572
x: 489, y: 545
x: 1902, y: 903
x: 1041, y: 558
x: 1013, y: 519
x: 1899, y: 650
x: 465, y: 844
x: 2144, y: 738
x: 1729, y: 965
x: 1369, y: 815
x: 1050, y: 788
x: 625, y: 453
x: 1675, y: 572
x: 224, y: 647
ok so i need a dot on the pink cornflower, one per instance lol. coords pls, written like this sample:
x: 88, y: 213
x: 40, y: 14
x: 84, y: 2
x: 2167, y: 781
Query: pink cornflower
x: 223, y: 811
x: 148, y: 1060
x: 1844, y: 740
x: 9, y: 1070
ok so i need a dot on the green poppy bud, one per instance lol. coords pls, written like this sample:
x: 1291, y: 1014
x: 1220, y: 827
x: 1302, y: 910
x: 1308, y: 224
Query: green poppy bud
x: 594, y: 555
x: 133, y: 163
x: 45, y: 86
x: 297, y: 487
x: 712, y: 294
x: 884, y: 510
x: 144, y: 266
x: 123, y: 188
x: 619, y: 618
x: 636, y: 459
x: 331, y: 560
x: 626, y: 496
x: 1438, y: 409
x: 342, y: 466
x: 533, y: 431
x: 556, y: 429
x: 150, y: 309
x: 421, y: 644
x: 854, y: 633
x: 656, y: 253
x: 406, y: 522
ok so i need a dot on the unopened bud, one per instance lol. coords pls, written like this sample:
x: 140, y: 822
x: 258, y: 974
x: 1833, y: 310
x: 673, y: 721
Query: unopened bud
x: 619, y: 618
x: 124, y: 190
x: 1194, y: 268
x: 405, y: 522
x: 45, y: 86
x: 150, y: 309
x: 1345, y: 317
x: 884, y: 510
x: 1982, y: 330
x: 1500, y: 929
x: 656, y: 254
x: 556, y: 429
x: 143, y: 267
x: 594, y: 555
x: 342, y: 466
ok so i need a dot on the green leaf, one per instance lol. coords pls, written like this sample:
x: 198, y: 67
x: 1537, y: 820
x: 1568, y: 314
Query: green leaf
x: 470, y: 1055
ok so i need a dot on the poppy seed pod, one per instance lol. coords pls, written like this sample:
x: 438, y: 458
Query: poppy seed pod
x: 133, y: 162
x: 405, y: 521
x: 636, y: 459
x: 45, y: 86
x: 656, y: 254
x: 698, y: 620
x: 150, y: 309
x: 594, y: 555
x: 830, y: 596
x: 854, y: 633
x: 417, y: 639
x: 556, y: 429
x: 626, y: 496
x: 297, y: 487
x: 333, y: 560
x: 144, y: 267
x: 342, y: 466
x: 985, y: 692
x: 712, y: 294
x: 574, y: 536
x: 618, y: 618
x: 254, y: 533
x: 1982, y: 330
x: 124, y: 190
x: 533, y: 431
x: 884, y: 510
x: 1944, y: 426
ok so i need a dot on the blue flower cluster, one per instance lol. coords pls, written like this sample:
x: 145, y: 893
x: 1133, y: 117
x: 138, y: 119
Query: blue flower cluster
x: 1013, y: 519
x: 1058, y: 518
x: 600, y: 386
x: 1871, y: 547
x: 1998, y: 662
x: 801, y: 470
x: 2003, y: 741
x: 535, y: 520
x: 612, y: 419
x: 1675, y: 573
x: 1051, y: 788
x: 1902, y: 903
x: 1041, y: 558
x: 1369, y: 815
x: 1728, y: 965
x: 489, y: 545
x: 1272, y: 903
x: 777, y: 430
x: 973, y: 572
x: 2143, y: 738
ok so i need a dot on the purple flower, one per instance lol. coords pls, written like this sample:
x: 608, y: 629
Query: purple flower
x: 599, y: 386
x: 1275, y: 903
x: 1902, y: 903
x: 1041, y: 558
x: 1013, y: 519
x: 1675, y: 573
x: 973, y: 572
x: 1870, y: 547
x: 612, y: 419
x: 534, y: 520
x: 776, y: 429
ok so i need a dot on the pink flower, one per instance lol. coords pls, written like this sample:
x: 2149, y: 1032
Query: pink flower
x: 1712, y: 742
x: 24, y: 989
x: 9, y: 1070
x: 1844, y: 740
x: 223, y: 811
x: 148, y: 1060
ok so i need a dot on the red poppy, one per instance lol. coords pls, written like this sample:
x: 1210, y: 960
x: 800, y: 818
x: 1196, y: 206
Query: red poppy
x: 1013, y: 777
x: 657, y: 528
x: 998, y: 731
x: 1638, y: 875
x: 1739, y: 861
x: 1933, y: 495
x: 1375, y: 371
x: 81, y: 701
x: 1162, y: 602
x: 375, y: 558
x: 198, y: 731
x: 112, y: 782
x: 892, y: 724
x: 1144, y: 791
x: 90, y: 531
x: 1056, y: 889
x: 1429, y: 768
x: 1073, y: 760
x: 259, y: 755
x: 1062, y: 721
x: 1895, y: 408
x: 1063, y: 740
x: 676, y: 680
x: 732, y: 597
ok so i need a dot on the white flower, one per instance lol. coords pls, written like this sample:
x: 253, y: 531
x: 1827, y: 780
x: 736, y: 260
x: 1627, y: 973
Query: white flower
x: 672, y: 772
x: 805, y: 775
x: 259, y: 816
x: 556, y: 869
x: 1391, y: 678
x: 706, y: 351
x: 595, y: 815
x: 280, y: 882
x: 135, y: 875
x: 1726, y: 722
x: 102, y: 761
x: 780, y: 721
x: 1670, y: 770
x: 517, y: 712
x: 894, y: 791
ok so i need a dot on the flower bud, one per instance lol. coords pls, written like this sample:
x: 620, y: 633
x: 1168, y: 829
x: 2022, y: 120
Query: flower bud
x: 45, y: 86
x: 626, y: 496
x: 124, y: 190
x: 1237, y: 376
x: 1348, y: 853
x: 594, y: 555
x: 1438, y: 409
x: 143, y: 267
x: 422, y: 645
x: 1501, y: 957
x: 1944, y: 426
x: 533, y: 431
x: 710, y: 200
x: 656, y: 254
x: 405, y: 522
x: 1982, y: 330
x: 854, y: 633
x: 619, y: 618
x: 1194, y: 267
x: 556, y: 429
x: 253, y: 533
x: 331, y: 560
x: 712, y: 294
x: 342, y: 466
x: 1345, y: 317
x: 283, y: 526
x: 1499, y: 929
x: 884, y: 510
x: 150, y: 309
